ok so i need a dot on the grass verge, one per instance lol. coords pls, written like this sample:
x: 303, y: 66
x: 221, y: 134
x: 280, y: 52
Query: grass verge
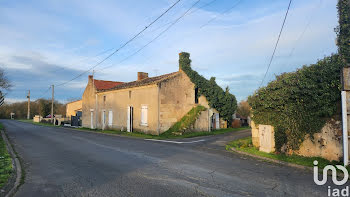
x: 37, y: 123
x: 167, y: 135
x: 5, y: 162
x: 246, y: 145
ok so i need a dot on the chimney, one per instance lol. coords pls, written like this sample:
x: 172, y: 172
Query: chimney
x: 91, y: 77
x: 141, y: 75
x: 184, y: 60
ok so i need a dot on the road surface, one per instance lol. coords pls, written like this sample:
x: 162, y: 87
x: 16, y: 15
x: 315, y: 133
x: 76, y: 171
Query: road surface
x: 66, y: 162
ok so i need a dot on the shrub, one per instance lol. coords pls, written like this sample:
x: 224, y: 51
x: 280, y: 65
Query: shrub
x: 299, y: 103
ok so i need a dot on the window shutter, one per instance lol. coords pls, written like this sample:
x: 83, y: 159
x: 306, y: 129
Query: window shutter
x: 144, y: 110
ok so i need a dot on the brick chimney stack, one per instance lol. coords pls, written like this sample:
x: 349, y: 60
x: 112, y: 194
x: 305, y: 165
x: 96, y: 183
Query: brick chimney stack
x: 141, y: 75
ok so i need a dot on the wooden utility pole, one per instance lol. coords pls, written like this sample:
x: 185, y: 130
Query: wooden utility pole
x: 53, y: 94
x: 28, y: 111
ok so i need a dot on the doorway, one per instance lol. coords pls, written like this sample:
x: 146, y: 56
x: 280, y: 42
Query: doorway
x: 91, y: 119
x: 129, y: 123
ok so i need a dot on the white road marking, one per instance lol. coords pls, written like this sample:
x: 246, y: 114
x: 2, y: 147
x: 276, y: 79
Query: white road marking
x: 175, y: 142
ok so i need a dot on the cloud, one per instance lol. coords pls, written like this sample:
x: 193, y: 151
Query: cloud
x: 235, y: 47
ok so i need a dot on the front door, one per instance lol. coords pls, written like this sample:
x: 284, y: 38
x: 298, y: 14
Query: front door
x: 129, y: 119
x: 103, y: 120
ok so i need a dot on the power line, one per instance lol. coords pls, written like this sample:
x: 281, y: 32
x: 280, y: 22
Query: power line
x: 203, y: 6
x: 45, y: 92
x: 126, y: 43
x: 160, y: 34
x: 305, y: 28
x: 224, y: 12
x: 274, y: 51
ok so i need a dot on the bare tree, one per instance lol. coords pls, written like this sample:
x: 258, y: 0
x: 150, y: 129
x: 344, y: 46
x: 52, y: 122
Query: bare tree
x: 4, y: 82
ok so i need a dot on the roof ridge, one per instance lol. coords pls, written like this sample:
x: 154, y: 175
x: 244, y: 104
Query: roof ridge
x: 108, y: 81
x: 142, y: 82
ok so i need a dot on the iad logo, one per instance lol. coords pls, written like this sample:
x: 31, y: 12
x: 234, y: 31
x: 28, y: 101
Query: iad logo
x: 335, y: 191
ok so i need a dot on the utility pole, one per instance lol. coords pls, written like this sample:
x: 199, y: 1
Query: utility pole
x: 53, y: 94
x: 345, y: 95
x: 28, y: 111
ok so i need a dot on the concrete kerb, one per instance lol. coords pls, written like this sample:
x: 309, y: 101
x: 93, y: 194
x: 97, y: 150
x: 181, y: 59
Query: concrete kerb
x: 16, y: 165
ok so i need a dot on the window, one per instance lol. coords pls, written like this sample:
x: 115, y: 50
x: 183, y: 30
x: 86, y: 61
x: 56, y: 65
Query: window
x: 196, y: 95
x: 110, y: 118
x: 104, y: 99
x: 144, y: 111
x: 129, y: 94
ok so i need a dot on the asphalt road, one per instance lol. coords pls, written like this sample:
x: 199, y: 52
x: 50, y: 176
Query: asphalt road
x: 65, y: 162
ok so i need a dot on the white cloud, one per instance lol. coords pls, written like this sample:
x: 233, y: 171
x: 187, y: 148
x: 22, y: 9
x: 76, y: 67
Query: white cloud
x: 235, y: 44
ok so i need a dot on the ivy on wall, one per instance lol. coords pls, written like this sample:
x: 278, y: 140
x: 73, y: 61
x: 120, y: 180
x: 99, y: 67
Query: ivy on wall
x: 221, y: 100
x: 300, y: 102
x: 186, y: 121
x: 343, y: 29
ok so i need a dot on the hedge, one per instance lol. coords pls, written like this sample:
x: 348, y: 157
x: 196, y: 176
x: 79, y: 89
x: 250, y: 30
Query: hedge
x: 299, y: 103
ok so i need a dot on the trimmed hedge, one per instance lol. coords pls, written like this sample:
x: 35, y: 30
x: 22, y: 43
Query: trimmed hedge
x: 300, y: 102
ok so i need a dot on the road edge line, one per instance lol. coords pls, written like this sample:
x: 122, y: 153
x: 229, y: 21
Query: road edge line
x: 15, y: 160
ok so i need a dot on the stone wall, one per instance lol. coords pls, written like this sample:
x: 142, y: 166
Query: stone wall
x: 88, y: 104
x: 326, y: 144
x: 177, y: 98
x: 117, y: 102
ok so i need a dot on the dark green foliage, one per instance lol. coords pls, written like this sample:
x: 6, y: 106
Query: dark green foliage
x: 218, y: 99
x: 343, y: 30
x: 299, y: 103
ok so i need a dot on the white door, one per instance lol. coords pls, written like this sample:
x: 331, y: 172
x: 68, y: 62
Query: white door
x: 110, y: 118
x: 92, y: 119
x: 129, y: 119
x: 103, y: 120
x: 217, y: 119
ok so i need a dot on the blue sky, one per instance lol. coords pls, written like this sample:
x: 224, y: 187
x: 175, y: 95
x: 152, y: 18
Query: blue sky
x: 50, y: 42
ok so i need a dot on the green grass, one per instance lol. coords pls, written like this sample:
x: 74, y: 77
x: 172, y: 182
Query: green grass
x: 246, y: 145
x: 167, y: 136
x: 5, y: 163
x: 185, y: 122
x: 36, y: 123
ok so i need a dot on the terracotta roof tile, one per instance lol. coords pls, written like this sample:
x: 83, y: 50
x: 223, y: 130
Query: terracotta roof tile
x: 104, y: 85
x: 143, y: 82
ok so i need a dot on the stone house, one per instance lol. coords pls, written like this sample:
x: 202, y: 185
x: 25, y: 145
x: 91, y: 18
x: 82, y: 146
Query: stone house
x: 149, y: 104
x: 73, y: 108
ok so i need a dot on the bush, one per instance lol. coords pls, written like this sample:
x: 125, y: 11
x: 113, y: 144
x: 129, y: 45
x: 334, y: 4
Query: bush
x: 299, y: 103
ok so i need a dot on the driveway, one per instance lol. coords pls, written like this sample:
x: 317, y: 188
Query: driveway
x: 65, y: 162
